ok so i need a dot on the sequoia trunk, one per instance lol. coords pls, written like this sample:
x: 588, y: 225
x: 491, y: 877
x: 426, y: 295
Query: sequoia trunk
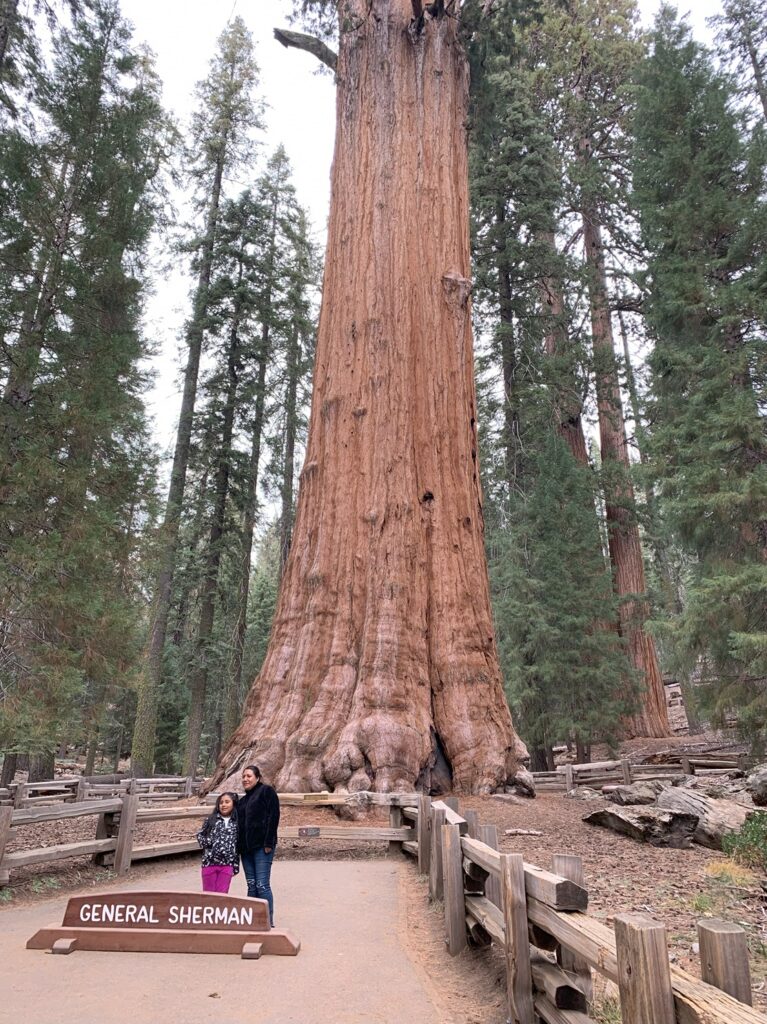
x: 382, y: 663
x: 651, y: 719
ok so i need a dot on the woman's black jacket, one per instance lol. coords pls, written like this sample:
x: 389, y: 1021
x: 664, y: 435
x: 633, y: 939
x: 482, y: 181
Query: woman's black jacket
x: 258, y: 815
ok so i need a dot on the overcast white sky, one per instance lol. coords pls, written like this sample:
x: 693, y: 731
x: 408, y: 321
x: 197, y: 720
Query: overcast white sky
x: 300, y: 115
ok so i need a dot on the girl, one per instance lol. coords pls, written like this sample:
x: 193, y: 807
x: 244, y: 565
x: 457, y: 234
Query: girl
x: 258, y: 818
x: 218, y: 839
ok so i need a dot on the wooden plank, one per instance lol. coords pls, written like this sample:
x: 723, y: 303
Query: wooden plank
x: 561, y: 989
x: 395, y: 822
x: 409, y: 813
x: 644, y: 978
x: 572, y: 867
x: 724, y: 958
x: 569, y: 778
x: 453, y: 804
x: 472, y: 823
x: 141, y: 940
x: 436, y: 879
x: 374, y: 835
x: 485, y: 913
x: 21, y: 858
x: 33, y: 816
x: 455, y: 913
x: 6, y: 817
x: 519, y: 983
x: 626, y: 771
x: 699, y: 1003
x: 424, y: 838
x: 165, y: 849
x: 452, y: 817
x: 557, y: 892
x: 411, y: 848
x: 20, y: 795
x: 488, y: 834
x: 125, y: 835
x: 551, y: 1015
x: 146, y: 814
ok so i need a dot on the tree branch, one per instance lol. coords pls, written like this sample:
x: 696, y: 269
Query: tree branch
x: 311, y: 44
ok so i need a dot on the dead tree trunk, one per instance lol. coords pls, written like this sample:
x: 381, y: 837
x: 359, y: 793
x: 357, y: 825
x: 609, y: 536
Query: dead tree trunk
x: 382, y: 659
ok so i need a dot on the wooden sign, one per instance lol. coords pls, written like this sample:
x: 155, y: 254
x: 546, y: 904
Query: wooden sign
x: 166, y: 922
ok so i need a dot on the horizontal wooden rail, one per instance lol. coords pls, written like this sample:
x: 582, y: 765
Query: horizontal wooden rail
x: 22, y: 858
x: 33, y: 816
x: 551, y: 889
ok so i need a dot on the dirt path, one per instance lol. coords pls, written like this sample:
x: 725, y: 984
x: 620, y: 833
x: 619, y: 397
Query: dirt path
x: 353, y: 965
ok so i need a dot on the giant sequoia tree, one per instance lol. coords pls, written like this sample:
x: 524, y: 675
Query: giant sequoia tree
x: 382, y: 664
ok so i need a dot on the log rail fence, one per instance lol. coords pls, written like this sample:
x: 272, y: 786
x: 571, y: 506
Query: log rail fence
x: 536, y: 917
x: 76, y: 789
x: 623, y: 771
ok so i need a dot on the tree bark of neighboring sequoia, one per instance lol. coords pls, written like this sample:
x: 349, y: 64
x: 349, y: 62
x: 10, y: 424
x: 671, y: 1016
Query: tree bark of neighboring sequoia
x: 382, y: 659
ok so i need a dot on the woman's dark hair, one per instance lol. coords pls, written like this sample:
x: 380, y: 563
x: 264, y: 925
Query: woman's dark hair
x: 253, y: 768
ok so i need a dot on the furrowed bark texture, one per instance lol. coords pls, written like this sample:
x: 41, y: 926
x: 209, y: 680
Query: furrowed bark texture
x: 651, y: 718
x: 382, y: 659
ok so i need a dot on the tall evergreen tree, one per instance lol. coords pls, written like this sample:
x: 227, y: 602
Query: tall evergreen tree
x: 700, y: 187
x: 222, y: 140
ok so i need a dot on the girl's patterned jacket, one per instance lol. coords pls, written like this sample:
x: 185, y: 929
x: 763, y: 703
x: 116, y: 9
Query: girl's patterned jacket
x: 218, y: 839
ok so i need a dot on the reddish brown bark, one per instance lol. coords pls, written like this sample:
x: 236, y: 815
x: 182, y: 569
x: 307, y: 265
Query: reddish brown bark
x: 626, y: 557
x: 382, y: 656
x: 569, y: 407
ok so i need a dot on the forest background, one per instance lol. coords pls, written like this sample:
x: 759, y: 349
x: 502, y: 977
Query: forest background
x: 621, y: 372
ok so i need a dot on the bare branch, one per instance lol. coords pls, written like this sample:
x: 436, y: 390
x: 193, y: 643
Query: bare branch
x: 301, y: 41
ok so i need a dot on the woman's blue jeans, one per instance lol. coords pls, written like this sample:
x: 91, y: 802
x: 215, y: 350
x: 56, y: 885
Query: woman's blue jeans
x: 257, y: 865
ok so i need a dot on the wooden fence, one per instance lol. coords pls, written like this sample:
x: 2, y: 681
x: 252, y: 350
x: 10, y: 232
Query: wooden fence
x: 551, y: 946
x: 77, y: 789
x: 538, y: 918
x: 117, y: 819
x: 623, y: 771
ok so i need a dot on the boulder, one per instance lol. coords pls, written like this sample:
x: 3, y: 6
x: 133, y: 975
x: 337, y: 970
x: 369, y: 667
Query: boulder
x: 756, y: 784
x: 647, y: 825
x: 716, y: 818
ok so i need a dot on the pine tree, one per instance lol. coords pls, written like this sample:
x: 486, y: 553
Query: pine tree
x: 79, y: 492
x: 222, y: 129
x: 700, y: 186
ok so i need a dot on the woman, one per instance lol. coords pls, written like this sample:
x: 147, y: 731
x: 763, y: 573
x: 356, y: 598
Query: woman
x: 258, y: 815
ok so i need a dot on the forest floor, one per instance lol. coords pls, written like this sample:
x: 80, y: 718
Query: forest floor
x: 677, y: 887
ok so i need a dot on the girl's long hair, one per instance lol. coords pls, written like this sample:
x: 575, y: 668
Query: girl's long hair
x: 210, y: 821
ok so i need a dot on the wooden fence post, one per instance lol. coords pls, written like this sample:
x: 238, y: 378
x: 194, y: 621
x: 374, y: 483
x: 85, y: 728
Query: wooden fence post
x: 472, y: 820
x: 188, y: 786
x: 724, y: 958
x: 644, y: 977
x: 571, y: 867
x: 20, y: 795
x: 569, y: 778
x: 519, y: 978
x: 626, y: 769
x: 424, y: 835
x: 488, y: 834
x: 395, y: 821
x: 125, y: 834
x: 455, y: 909
x: 436, y: 884
x: 6, y: 817
x: 80, y: 793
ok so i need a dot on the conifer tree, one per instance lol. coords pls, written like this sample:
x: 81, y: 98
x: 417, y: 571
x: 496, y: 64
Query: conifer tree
x: 222, y: 130
x: 700, y: 186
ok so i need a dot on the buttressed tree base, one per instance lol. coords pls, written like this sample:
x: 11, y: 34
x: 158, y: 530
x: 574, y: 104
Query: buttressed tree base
x: 382, y: 671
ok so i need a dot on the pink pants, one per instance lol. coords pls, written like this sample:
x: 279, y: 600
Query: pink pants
x: 217, y: 878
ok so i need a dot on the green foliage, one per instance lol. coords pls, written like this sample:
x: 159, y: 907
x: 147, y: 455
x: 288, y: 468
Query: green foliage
x: 748, y: 846
x: 700, y: 185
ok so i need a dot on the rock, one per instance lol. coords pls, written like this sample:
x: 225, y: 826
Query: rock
x: 756, y: 784
x: 522, y: 784
x: 507, y: 798
x: 637, y: 793
x: 582, y: 793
